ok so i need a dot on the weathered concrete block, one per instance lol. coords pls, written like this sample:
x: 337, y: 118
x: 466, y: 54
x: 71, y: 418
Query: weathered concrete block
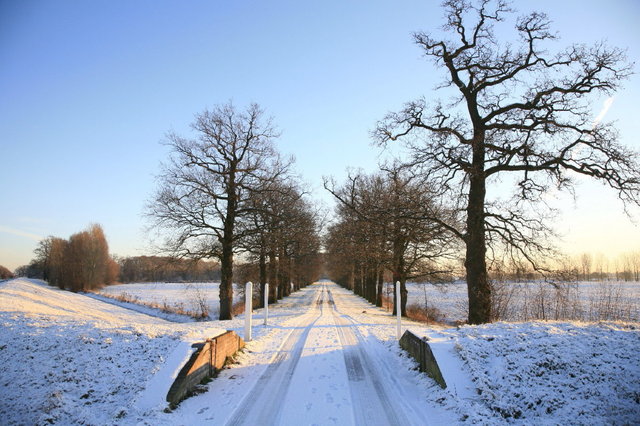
x: 420, y: 351
x: 208, y: 358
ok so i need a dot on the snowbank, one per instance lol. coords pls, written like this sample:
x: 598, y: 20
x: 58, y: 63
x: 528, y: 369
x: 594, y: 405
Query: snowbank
x: 550, y: 372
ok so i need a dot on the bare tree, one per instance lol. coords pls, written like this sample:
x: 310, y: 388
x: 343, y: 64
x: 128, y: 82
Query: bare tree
x: 57, y: 262
x: 86, y: 260
x: 78, y: 264
x: 585, y: 262
x: 519, y: 112
x: 204, y: 188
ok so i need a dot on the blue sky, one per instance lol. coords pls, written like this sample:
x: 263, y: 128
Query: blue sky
x: 88, y: 89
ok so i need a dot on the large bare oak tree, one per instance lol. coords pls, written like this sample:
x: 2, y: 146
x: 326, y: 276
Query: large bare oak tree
x: 519, y: 113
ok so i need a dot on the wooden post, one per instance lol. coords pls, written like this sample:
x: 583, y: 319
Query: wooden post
x: 248, y: 299
x: 266, y: 303
x: 398, y: 311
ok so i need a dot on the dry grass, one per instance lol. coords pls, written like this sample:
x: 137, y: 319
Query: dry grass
x: 562, y: 301
x: 428, y: 315
x: 176, y: 308
x: 238, y: 308
x: 416, y: 312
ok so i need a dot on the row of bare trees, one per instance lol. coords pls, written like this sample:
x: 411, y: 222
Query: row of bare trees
x: 388, y: 223
x: 78, y: 264
x: 285, y: 245
x: 625, y: 267
x: 226, y: 191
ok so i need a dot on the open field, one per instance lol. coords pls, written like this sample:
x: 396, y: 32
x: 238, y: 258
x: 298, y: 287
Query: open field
x: 585, y: 301
x: 185, y: 297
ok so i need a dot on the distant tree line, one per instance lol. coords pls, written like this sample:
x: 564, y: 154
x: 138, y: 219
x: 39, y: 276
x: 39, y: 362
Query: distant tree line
x: 167, y: 269
x: 80, y: 263
x: 582, y: 267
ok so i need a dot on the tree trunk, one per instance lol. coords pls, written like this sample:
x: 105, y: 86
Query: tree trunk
x: 226, y: 281
x: 404, y: 296
x: 372, y: 282
x: 478, y: 288
x: 380, y: 287
x: 226, y: 262
x: 273, y: 279
x: 263, y: 276
x: 282, y: 280
x: 352, y: 276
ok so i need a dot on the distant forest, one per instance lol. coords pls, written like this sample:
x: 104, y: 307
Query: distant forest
x: 156, y: 269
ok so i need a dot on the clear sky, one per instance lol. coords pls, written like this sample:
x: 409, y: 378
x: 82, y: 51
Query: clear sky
x: 88, y: 90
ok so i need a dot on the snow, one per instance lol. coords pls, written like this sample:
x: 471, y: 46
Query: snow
x: 66, y: 358
x: 183, y: 296
x: 584, y: 300
x: 326, y: 357
x: 568, y: 373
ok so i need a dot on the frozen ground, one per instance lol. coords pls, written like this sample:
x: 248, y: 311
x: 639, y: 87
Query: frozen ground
x: 327, y: 357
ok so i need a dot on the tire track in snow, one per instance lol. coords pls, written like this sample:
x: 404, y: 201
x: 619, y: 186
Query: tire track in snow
x: 370, y: 408
x: 384, y: 379
x: 262, y: 405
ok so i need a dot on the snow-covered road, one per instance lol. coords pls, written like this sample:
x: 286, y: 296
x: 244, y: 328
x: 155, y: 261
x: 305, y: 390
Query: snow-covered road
x: 322, y: 371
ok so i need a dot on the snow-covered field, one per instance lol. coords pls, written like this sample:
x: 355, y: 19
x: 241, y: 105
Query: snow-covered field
x: 587, y: 301
x: 71, y: 359
x: 179, y: 296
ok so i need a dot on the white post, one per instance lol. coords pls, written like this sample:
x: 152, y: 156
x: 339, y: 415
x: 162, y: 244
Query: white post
x: 398, y: 311
x: 266, y: 303
x: 248, y: 296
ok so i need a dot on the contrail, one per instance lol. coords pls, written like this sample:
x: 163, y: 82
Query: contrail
x: 20, y: 233
x: 605, y: 108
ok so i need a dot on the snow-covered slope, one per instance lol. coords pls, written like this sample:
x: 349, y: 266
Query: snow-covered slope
x: 546, y: 372
x: 66, y: 358
x: 569, y: 372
